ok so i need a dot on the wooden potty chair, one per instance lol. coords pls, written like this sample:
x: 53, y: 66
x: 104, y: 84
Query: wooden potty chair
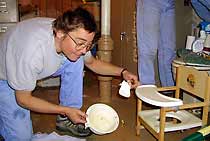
x: 188, y: 81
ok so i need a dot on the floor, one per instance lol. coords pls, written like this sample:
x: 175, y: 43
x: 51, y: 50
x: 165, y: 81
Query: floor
x: 125, y: 107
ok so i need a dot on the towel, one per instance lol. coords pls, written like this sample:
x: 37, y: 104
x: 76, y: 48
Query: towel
x: 54, y: 137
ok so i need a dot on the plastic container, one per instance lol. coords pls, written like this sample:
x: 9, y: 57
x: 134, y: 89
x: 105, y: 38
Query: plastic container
x: 102, y: 119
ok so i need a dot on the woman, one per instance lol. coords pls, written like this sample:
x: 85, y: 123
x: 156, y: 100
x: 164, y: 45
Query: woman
x: 42, y: 47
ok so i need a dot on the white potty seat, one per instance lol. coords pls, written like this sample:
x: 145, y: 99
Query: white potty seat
x: 149, y: 94
x: 187, y: 120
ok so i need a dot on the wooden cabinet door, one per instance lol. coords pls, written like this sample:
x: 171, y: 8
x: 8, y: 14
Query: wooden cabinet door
x: 54, y: 8
x: 123, y: 34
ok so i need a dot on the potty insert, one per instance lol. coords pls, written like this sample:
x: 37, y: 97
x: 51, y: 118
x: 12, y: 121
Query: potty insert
x: 102, y: 119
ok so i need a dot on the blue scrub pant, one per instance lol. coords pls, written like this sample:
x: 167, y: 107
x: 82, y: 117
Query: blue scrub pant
x: 71, y: 89
x: 15, y: 122
x: 155, y: 24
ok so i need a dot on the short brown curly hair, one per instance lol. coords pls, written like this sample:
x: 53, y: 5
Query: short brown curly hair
x: 72, y: 20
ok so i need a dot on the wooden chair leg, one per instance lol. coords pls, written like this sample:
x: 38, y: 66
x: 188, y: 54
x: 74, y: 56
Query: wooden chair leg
x: 205, y: 115
x: 162, y: 124
x: 138, y: 124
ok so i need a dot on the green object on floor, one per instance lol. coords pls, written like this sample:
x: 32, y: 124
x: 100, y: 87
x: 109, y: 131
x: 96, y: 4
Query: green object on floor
x: 195, y: 137
x: 200, y: 135
x: 191, y: 57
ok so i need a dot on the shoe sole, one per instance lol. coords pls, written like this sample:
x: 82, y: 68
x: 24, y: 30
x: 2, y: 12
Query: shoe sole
x: 68, y: 132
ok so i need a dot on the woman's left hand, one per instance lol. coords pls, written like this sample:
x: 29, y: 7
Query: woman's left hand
x: 131, y: 79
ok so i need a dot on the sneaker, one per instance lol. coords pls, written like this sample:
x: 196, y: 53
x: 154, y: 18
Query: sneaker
x: 64, y: 124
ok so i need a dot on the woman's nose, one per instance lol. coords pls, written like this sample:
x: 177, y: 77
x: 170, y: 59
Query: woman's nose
x: 84, y: 50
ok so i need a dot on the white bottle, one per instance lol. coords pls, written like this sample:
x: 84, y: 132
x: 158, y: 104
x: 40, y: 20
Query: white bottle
x: 199, y: 43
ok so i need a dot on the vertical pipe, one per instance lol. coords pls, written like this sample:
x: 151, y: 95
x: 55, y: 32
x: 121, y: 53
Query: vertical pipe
x: 105, y: 18
x: 105, y: 47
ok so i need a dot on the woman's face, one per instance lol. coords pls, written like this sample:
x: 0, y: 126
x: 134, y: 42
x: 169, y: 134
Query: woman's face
x: 76, y: 43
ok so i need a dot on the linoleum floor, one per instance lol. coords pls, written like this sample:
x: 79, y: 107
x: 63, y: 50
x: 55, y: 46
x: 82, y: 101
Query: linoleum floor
x: 125, y: 107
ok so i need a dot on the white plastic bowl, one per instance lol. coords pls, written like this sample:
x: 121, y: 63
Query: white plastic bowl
x: 102, y: 119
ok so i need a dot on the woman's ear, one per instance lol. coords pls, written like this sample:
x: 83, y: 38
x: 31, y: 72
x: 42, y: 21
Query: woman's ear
x: 59, y: 34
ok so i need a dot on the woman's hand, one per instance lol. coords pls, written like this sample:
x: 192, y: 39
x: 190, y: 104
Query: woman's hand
x: 131, y: 79
x: 76, y: 115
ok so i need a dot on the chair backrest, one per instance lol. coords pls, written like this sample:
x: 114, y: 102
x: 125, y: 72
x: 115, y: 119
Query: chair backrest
x: 194, y: 81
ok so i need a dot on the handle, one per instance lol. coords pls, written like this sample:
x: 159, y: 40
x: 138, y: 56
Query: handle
x: 3, y: 7
x: 3, y: 4
x: 122, y: 35
x: 3, y: 29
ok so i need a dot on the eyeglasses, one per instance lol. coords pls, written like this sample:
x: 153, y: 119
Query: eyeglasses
x: 80, y: 46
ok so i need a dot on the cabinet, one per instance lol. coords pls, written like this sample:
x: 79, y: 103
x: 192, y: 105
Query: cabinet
x: 123, y: 34
x: 54, y: 8
x: 8, y: 15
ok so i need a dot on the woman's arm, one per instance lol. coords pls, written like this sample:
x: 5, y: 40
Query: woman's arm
x: 104, y: 68
x: 26, y: 100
